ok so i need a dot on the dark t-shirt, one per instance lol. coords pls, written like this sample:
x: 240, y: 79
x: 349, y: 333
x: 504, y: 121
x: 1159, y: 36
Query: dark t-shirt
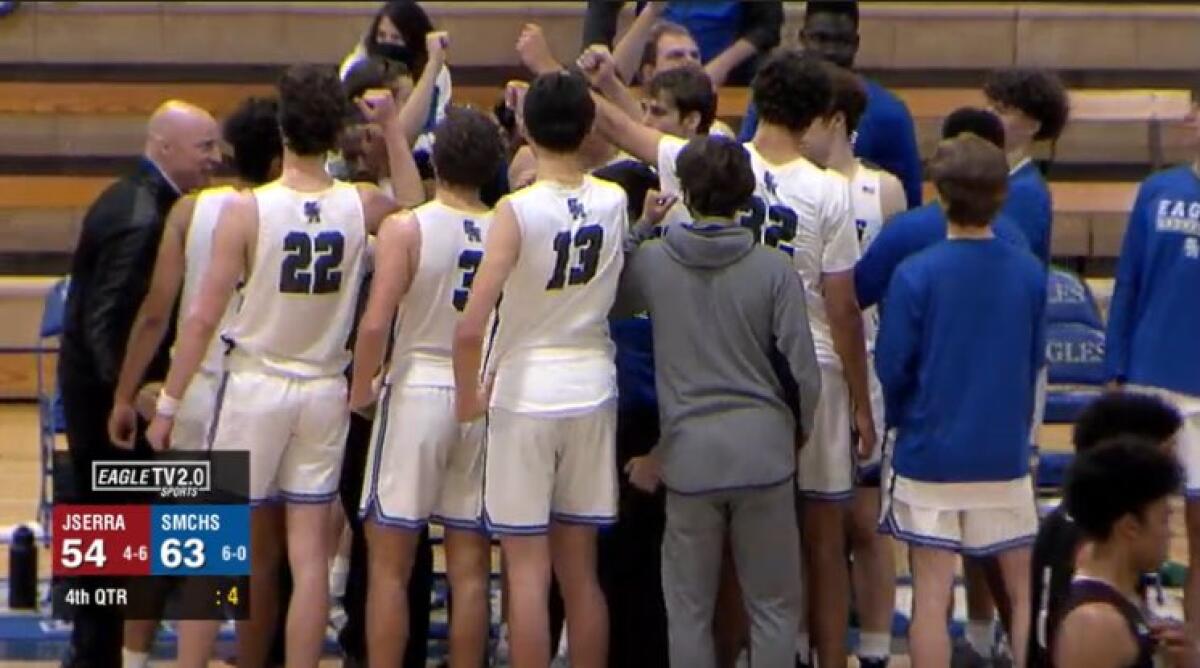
x: 1053, y: 566
x: 1084, y: 591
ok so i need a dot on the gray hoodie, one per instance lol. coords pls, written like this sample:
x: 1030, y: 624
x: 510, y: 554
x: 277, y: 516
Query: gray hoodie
x: 735, y: 370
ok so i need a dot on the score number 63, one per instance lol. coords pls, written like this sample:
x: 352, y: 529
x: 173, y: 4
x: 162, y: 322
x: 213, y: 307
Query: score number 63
x: 172, y: 553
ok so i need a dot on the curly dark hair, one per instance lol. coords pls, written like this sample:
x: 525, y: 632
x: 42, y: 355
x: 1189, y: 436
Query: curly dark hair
x: 715, y: 175
x: 253, y: 132
x: 559, y: 111
x: 312, y: 109
x: 468, y: 149
x: 979, y: 122
x: 1039, y: 94
x: 792, y: 90
x: 1117, y: 478
x: 691, y: 90
x: 1125, y: 414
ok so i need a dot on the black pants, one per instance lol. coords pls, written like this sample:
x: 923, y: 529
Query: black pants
x: 97, y: 632
x: 353, y: 637
x: 630, y: 559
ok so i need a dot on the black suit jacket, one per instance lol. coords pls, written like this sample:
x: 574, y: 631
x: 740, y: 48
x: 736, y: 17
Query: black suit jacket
x: 110, y: 275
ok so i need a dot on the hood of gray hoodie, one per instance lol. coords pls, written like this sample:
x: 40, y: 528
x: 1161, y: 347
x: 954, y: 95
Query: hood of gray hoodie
x: 711, y: 247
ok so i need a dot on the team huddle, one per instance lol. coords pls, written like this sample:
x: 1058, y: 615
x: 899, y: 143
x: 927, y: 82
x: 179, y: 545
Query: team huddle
x: 817, y: 347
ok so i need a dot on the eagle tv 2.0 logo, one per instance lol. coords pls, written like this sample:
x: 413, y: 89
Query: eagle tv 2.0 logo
x: 181, y: 479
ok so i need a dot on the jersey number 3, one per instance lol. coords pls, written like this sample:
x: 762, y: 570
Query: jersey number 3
x: 310, y: 266
x: 589, y: 239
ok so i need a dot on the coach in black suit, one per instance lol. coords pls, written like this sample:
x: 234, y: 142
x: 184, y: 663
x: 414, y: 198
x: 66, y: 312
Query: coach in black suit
x: 110, y: 274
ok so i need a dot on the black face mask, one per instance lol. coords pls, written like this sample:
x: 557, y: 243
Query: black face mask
x: 397, y: 52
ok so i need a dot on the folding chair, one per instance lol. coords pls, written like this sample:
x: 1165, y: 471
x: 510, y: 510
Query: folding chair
x: 50, y: 410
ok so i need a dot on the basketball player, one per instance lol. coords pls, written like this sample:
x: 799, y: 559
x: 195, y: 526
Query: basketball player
x: 1118, y: 495
x: 420, y: 466
x: 876, y: 196
x: 183, y: 255
x: 960, y: 343
x: 915, y: 230
x: 1154, y: 320
x: 299, y: 244
x: 554, y: 248
x: 1124, y: 415
x: 1033, y: 106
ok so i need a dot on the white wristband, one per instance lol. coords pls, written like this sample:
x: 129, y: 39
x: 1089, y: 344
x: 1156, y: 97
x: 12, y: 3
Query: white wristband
x: 167, y: 405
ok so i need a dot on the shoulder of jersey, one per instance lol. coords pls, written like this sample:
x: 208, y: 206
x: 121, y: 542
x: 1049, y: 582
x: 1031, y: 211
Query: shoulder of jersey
x: 606, y: 185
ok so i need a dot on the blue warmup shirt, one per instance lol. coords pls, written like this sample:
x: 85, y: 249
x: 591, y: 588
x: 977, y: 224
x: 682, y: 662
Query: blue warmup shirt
x: 1154, y: 320
x: 634, y: 340
x: 886, y: 137
x: 714, y: 24
x: 959, y: 347
x: 906, y: 234
x: 1029, y: 206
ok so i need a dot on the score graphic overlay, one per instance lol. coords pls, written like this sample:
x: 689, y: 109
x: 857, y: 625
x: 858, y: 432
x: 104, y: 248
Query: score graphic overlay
x: 162, y: 539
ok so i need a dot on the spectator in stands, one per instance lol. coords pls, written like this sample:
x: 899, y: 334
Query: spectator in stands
x: 731, y: 35
x: 960, y: 344
x: 1059, y: 541
x: 1033, y: 107
x: 885, y: 135
x: 110, y: 276
x: 398, y: 32
x: 912, y: 231
x: 1154, y: 320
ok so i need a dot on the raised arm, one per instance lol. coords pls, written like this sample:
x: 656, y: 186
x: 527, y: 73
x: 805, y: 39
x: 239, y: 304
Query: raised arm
x: 153, y: 319
x: 378, y: 106
x: 397, y: 252
x: 415, y: 111
x: 612, y: 123
x: 629, y: 49
x: 233, y: 239
x: 500, y: 255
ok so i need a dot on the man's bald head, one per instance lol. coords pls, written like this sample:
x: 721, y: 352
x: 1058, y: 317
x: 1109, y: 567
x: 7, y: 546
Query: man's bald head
x: 183, y: 140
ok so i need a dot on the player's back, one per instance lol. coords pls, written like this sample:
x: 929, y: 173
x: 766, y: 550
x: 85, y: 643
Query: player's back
x: 298, y: 302
x: 452, y: 244
x: 553, y: 317
x: 805, y: 211
x: 197, y: 253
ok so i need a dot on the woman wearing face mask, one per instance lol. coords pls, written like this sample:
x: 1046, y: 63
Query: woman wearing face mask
x: 398, y: 33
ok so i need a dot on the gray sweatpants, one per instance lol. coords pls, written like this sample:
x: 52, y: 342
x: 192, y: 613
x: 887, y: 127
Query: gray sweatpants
x: 766, y: 550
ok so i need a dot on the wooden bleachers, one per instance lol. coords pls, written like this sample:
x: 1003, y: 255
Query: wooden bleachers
x: 41, y: 213
x: 91, y: 119
x: 936, y: 35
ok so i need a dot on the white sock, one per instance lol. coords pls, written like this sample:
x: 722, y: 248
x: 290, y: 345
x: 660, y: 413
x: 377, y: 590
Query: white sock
x: 132, y: 659
x: 338, y: 574
x: 802, y: 647
x: 981, y: 636
x: 874, y: 645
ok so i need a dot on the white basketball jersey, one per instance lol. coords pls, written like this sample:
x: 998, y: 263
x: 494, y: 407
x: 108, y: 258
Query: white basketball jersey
x: 197, y: 252
x: 867, y: 201
x: 451, y: 250
x: 805, y: 211
x: 552, y: 352
x: 298, y: 304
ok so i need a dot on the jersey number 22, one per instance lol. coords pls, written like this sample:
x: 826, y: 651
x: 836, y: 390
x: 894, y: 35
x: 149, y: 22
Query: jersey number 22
x: 310, y: 266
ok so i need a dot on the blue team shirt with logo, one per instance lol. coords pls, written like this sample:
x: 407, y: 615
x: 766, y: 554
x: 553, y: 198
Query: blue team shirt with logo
x: 1154, y: 320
